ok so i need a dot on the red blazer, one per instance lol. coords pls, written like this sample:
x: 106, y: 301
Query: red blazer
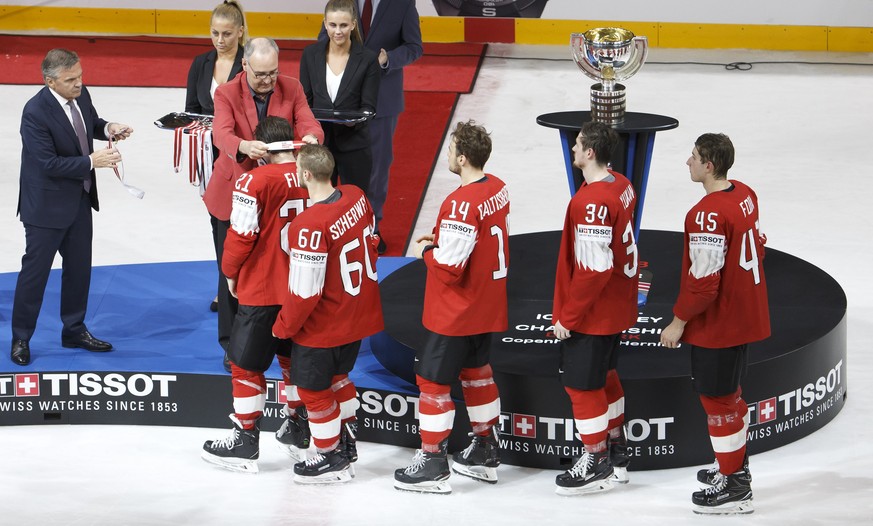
x: 235, y: 120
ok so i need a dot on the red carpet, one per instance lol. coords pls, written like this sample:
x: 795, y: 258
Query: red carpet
x: 432, y: 85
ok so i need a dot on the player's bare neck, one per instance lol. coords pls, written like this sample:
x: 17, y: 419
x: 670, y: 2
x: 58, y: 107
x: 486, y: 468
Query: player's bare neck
x: 320, y: 191
x: 471, y: 175
x: 711, y: 184
x: 594, y: 173
x: 282, y: 158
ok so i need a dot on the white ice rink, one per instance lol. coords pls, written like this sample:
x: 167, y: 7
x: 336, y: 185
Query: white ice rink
x: 804, y: 143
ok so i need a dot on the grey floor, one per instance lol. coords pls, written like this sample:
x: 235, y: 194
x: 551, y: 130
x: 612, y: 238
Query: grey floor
x: 803, y: 140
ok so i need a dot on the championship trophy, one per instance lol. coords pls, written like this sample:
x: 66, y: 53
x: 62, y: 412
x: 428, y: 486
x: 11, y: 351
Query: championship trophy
x: 608, y: 55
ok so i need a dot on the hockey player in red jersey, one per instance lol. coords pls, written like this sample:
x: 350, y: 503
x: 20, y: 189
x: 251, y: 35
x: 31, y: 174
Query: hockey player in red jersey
x: 331, y: 303
x: 595, y: 300
x: 265, y: 201
x: 721, y: 308
x: 467, y: 259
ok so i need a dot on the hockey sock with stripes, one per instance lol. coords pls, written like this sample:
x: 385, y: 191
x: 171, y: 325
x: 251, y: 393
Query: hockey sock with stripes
x: 436, y: 413
x: 481, y: 397
x: 249, y: 395
x: 728, y: 420
x: 590, y: 415
x: 324, y: 417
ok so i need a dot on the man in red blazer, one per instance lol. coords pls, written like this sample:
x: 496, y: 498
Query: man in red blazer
x: 239, y: 105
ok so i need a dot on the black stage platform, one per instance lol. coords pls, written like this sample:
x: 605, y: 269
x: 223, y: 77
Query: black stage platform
x: 166, y: 369
x: 796, y: 380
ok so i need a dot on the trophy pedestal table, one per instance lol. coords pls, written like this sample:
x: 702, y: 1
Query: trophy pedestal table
x: 637, y: 134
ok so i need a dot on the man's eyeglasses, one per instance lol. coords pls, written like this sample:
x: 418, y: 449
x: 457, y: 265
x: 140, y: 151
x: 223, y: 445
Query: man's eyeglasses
x: 261, y: 75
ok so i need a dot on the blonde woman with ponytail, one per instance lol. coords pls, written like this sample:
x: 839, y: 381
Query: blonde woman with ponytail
x: 227, y: 28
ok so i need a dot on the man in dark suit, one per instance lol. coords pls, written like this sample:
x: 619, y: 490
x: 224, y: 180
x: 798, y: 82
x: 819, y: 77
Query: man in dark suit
x: 58, y: 189
x: 393, y: 31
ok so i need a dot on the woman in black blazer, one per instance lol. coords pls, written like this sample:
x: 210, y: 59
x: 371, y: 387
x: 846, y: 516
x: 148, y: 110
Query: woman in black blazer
x: 341, y: 74
x: 208, y: 71
x: 215, y: 67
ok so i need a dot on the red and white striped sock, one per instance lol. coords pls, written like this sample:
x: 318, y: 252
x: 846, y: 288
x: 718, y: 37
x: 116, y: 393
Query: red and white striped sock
x: 249, y: 395
x: 481, y: 397
x: 590, y: 413
x: 436, y: 413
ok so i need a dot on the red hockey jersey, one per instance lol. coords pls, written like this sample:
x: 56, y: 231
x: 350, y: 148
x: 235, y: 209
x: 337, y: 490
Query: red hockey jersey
x: 465, y: 292
x: 265, y: 201
x: 597, y: 277
x: 723, y: 293
x: 332, y: 296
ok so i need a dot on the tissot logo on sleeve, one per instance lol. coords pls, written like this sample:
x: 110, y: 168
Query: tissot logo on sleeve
x: 491, y: 8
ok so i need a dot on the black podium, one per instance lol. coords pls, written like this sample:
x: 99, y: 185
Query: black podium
x: 796, y: 380
x: 633, y: 160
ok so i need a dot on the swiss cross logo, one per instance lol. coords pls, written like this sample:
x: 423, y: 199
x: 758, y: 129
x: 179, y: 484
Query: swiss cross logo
x: 767, y: 410
x: 524, y: 425
x: 26, y: 385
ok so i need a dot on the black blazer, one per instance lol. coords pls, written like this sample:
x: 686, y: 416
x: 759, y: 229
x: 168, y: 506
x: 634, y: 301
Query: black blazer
x: 396, y: 29
x: 198, y: 99
x: 358, y: 91
x: 53, y: 165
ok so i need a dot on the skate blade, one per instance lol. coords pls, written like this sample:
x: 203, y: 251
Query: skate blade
x: 731, y: 508
x: 333, y: 477
x: 237, y: 465
x: 294, y: 452
x: 595, y: 487
x: 439, y: 487
x: 619, y: 476
x: 480, y: 473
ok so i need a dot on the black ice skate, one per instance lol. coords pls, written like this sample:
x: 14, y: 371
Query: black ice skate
x: 428, y: 473
x: 619, y: 457
x: 294, y: 436
x: 592, y: 473
x: 710, y: 476
x: 731, y: 494
x: 349, y: 440
x: 237, y: 452
x: 481, y: 458
x: 323, y: 468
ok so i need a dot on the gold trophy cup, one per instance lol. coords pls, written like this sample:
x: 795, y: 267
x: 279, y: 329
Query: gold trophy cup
x: 608, y: 55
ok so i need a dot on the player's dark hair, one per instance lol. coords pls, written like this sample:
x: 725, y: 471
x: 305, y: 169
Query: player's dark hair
x: 717, y: 149
x: 317, y: 159
x: 57, y: 60
x: 347, y: 6
x: 232, y: 10
x: 473, y: 142
x: 600, y: 138
x: 274, y: 129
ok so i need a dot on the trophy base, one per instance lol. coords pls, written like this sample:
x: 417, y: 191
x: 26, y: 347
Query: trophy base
x: 608, y: 105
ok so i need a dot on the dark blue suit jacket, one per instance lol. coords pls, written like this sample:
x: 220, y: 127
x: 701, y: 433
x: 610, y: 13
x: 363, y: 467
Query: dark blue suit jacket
x: 53, y: 167
x: 396, y: 29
